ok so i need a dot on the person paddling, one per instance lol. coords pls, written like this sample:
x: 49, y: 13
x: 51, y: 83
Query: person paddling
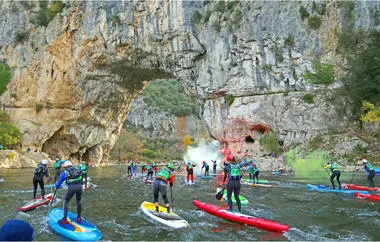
x: 371, y: 172
x: 253, y: 171
x: 190, y: 172
x: 155, y: 168
x: 73, y: 177
x: 130, y: 164
x: 83, y: 168
x: 225, y: 170
x: 207, y: 167
x: 58, y: 169
x: 38, y: 178
x: 149, y: 170
x: 164, y: 176
x: 233, y: 185
x: 335, y: 172
x: 214, y: 165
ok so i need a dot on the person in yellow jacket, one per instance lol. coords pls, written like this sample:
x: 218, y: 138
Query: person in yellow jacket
x: 335, y: 172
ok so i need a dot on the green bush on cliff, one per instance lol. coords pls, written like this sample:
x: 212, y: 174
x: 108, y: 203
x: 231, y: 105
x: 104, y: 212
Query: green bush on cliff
x: 314, y: 22
x: 169, y: 96
x: 21, y: 36
x: 10, y: 136
x: 304, y: 13
x: 47, y: 12
x: 5, y: 76
x: 308, y: 98
x: 134, y: 147
x: 270, y: 142
x: 324, y: 74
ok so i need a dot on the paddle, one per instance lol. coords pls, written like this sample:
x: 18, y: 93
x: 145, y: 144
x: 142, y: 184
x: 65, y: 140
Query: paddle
x: 171, y: 198
x: 219, y: 195
x: 51, y: 203
x: 352, y: 178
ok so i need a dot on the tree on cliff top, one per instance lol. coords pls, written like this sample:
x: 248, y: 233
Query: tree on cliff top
x: 9, y: 134
x: 362, y: 82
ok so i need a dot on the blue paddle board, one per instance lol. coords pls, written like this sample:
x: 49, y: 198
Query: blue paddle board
x: 205, y: 177
x: 323, y: 188
x: 73, y: 230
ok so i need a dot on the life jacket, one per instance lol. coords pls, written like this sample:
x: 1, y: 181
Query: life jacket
x: 164, y: 174
x: 333, y: 167
x: 73, y: 175
x: 368, y: 167
x: 154, y: 165
x: 83, y: 167
x: 57, y: 164
x: 206, y: 165
x: 148, y: 168
x: 251, y: 170
x: 190, y: 166
x: 235, y: 171
x: 41, y: 170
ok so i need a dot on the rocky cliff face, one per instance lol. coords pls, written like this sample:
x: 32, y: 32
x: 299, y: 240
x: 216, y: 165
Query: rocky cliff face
x: 88, y: 64
x: 156, y: 123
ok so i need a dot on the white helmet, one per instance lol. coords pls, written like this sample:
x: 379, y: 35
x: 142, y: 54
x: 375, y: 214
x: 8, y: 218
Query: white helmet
x: 364, y: 161
x: 45, y: 162
x: 67, y: 163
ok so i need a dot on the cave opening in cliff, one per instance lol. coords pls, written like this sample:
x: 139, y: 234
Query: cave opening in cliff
x: 249, y: 139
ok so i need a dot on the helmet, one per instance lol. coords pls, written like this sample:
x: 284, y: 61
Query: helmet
x: 189, y: 162
x: 230, y: 157
x: 67, y: 163
x: 83, y: 161
x: 45, y: 162
x: 170, y: 166
x: 364, y: 161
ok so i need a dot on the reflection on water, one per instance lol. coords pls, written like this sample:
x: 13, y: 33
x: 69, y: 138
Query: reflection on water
x: 114, y: 207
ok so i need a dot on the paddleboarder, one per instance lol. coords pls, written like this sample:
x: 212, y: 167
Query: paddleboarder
x: 57, y: 167
x: 73, y: 177
x: 190, y: 172
x: 207, y: 167
x: 130, y: 164
x: 38, y: 178
x: 214, y: 166
x: 155, y: 168
x: 371, y: 172
x: 83, y: 168
x: 164, y: 176
x: 335, y: 172
x: 253, y: 171
x: 149, y: 170
x: 225, y: 170
x: 233, y: 185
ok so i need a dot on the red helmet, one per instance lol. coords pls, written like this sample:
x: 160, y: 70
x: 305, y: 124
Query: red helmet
x: 230, y: 157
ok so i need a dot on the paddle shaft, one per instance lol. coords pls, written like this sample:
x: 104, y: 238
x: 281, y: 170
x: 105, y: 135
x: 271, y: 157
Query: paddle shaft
x: 352, y: 178
x: 171, y: 197
x: 52, y: 200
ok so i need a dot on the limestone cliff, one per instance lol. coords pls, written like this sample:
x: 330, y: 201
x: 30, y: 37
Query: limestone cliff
x: 93, y: 58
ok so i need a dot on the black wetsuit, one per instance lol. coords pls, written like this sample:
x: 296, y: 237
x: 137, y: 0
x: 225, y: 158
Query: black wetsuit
x: 38, y: 178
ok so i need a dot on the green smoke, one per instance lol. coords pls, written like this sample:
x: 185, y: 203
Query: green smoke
x: 311, y: 167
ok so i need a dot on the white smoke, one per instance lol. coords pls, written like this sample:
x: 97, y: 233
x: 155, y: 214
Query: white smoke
x: 204, y: 152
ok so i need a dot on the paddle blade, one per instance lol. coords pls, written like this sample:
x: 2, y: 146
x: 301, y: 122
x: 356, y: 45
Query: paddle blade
x: 219, y: 195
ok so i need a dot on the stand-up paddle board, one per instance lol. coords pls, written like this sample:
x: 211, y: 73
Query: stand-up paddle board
x: 36, y: 203
x: 169, y: 219
x: 74, y: 230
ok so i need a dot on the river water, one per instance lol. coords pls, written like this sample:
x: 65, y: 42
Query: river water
x: 113, y: 206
